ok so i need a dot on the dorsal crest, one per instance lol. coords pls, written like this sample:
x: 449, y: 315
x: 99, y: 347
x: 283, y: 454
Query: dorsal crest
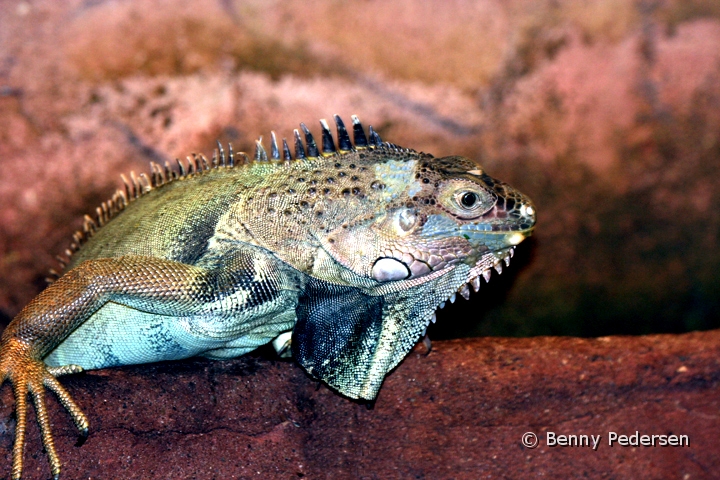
x: 137, y: 186
x: 328, y: 147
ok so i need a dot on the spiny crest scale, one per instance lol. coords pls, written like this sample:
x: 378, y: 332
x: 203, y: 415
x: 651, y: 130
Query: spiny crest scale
x: 328, y: 145
x: 299, y: 147
x: 274, y: 150
x: 287, y: 156
x: 344, y: 143
x: 312, y: 150
x: 260, y: 153
x: 358, y: 133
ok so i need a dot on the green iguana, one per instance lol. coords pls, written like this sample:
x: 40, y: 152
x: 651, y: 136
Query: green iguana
x: 343, y: 252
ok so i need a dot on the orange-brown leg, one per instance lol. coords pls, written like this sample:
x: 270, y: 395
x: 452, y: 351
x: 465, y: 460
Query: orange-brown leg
x: 30, y: 375
x: 20, y: 391
x: 38, y: 396
x: 79, y: 418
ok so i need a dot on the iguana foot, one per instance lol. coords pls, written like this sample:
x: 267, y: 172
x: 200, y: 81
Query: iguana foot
x: 30, y: 375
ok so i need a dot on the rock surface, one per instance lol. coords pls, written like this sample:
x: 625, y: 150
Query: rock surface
x: 459, y: 412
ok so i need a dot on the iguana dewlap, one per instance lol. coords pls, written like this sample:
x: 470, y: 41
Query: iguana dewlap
x: 351, y: 246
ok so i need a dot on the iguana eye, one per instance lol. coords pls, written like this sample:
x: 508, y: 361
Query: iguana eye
x: 469, y: 199
x: 472, y: 203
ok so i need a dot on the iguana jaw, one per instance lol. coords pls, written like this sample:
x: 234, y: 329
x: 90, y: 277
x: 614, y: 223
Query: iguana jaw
x: 482, y: 269
x: 503, y: 249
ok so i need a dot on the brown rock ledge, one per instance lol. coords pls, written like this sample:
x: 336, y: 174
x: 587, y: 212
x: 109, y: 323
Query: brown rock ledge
x: 458, y: 412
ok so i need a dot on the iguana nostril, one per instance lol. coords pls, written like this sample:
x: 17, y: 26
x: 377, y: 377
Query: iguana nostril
x: 388, y: 269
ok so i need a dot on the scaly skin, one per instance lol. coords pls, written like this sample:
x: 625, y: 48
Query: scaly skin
x: 347, y: 252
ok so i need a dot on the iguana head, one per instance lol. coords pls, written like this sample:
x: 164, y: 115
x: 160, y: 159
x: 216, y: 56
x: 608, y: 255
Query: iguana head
x: 431, y: 215
x: 386, y: 235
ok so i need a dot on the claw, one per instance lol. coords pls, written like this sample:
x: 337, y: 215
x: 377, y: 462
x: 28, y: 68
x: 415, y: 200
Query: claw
x: 82, y: 437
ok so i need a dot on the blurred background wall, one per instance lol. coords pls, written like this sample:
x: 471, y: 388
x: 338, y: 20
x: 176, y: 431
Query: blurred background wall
x: 607, y: 113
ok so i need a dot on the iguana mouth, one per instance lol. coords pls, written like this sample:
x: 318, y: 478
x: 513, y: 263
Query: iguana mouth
x: 481, y: 269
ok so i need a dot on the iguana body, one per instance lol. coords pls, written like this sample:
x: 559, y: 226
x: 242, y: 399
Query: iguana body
x: 352, y: 248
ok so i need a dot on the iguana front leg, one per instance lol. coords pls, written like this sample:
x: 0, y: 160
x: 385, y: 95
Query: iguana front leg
x: 149, y: 284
